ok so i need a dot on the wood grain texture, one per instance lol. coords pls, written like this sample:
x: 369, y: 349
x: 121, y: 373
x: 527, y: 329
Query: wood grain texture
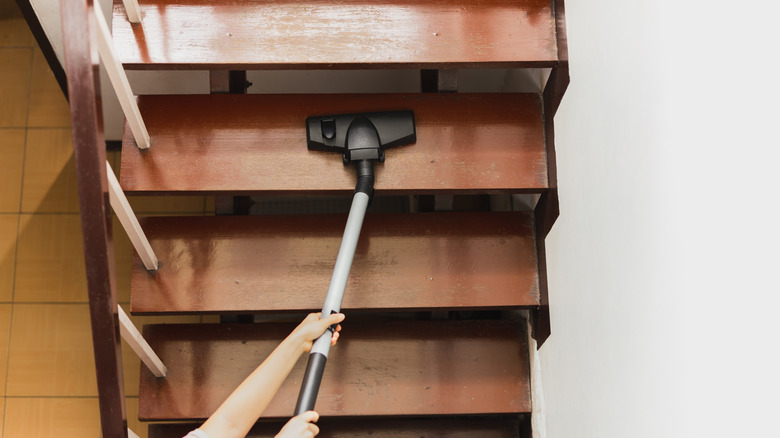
x: 377, y: 369
x: 90, y: 159
x: 226, y: 264
x: 431, y: 427
x: 466, y: 143
x: 312, y: 34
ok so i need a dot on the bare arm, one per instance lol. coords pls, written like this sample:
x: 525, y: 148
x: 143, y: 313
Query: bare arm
x: 244, y: 406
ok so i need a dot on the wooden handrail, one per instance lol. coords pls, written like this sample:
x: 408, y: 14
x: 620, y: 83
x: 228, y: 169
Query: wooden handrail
x: 82, y: 69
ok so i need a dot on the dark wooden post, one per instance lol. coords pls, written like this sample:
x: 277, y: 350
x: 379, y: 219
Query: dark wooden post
x: 81, y: 66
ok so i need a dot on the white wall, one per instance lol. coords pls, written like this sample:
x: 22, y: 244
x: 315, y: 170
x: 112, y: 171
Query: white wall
x: 663, y: 264
x: 48, y: 13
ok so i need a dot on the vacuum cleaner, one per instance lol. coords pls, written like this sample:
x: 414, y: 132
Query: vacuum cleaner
x: 361, y: 139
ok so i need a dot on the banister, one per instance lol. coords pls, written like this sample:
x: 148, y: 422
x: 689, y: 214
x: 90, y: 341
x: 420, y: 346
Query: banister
x: 82, y: 69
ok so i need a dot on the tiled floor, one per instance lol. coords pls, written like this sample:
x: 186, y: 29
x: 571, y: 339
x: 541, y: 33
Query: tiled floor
x: 47, y: 379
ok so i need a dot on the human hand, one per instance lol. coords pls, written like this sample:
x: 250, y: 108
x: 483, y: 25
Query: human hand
x: 312, y: 327
x: 301, y: 426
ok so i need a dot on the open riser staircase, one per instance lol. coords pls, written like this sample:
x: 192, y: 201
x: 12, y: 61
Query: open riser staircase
x: 448, y: 284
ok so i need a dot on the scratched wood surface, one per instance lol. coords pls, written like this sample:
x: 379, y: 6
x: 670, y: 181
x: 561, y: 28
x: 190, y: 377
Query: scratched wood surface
x: 228, y: 264
x: 82, y: 68
x: 432, y: 427
x: 467, y: 143
x: 313, y: 34
x: 377, y: 369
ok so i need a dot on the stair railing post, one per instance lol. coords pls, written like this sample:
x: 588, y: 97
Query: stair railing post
x: 136, y: 341
x: 82, y: 67
x: 133, y: 11
x: 129, y: 221
x: 118, y: 77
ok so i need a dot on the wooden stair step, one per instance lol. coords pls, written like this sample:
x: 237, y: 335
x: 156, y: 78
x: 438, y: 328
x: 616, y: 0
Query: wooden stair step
x: 314, y: 34
x: 410, y: 261
x: 452, y: 427
x: 398, y: 368
x: 243, y: 144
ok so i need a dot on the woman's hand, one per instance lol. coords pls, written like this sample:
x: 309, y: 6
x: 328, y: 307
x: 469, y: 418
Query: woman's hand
x: 312, y: 327
x: 301, y: 426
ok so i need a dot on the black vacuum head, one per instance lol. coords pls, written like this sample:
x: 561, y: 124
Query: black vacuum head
x: 361, y: 136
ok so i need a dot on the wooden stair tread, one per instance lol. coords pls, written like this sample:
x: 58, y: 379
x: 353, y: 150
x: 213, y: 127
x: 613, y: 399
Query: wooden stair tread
x: 227, y: 264
x: 398, y: 368
x: 467, y: 143
x: 313, y: 34
x: 452, y: 427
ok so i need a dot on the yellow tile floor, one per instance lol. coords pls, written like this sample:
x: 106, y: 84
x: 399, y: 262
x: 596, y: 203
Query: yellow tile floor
x: 47, y: 379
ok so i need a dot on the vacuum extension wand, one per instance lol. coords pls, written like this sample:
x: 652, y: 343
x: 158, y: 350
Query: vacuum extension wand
x: 338, y: 283
x: 361, y: 138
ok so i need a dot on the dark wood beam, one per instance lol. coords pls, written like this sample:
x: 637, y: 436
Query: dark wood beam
x: 547, y: 209
x: 90, y: 157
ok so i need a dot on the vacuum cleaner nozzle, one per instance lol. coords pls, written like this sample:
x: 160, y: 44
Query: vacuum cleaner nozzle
x: 361, y: 136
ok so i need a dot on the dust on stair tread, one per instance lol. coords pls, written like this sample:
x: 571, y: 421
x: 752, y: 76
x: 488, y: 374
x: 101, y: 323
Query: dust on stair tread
x: 255, y: 264
x: 245, y: 144
x: 377, y: 369
x: 204, y: 34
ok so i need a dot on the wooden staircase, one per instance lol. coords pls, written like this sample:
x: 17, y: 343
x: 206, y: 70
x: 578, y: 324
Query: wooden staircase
x: 435, y: 342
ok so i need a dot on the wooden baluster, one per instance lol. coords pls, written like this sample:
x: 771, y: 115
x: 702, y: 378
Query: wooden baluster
x: 137, y: 342
x: 116, y: 73
x: 133, y: 11
x: 129, y: 222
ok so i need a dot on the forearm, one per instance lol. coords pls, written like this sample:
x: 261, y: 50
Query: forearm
x: 244, y: 406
